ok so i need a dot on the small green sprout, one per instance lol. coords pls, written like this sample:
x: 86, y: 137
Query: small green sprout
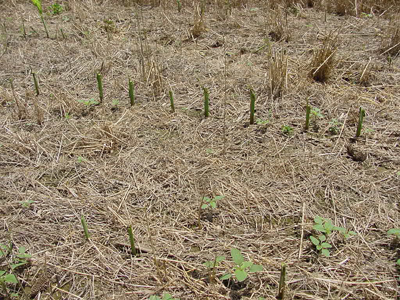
x: 85, y: 227
x: 26, y: 203
x: 67, y: 116
x: 115, y: 102
x: 210, y: 202
x: 242, y: 267
x: 334, y: 125
x: 316, y: 112
x: 178, y: 2
x: 171, y: 101
x: 321, y: 244
x: 361, y: 116
x: 55, y: 9
x: 282, y: 283
x: 287, y: 129
x: 262, y: 122
x: 80, y: 159
x: 165, y: 296
x: 89, y: 102
x: 132, y: 241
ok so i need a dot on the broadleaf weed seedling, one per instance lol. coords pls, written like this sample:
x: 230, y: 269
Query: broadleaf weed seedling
x: 56, y: 9
x: 326, y: 227
x: 334, y: 125
x: 287, y: 129
x: 89, y: 102
x: 210, y: 202
x: 8, y: 276
x: 242, y: 267
x: 165, y: 296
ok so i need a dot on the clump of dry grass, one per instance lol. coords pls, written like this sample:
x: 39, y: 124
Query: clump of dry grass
x: 279, y: 27
x: 198, y: 26
x: 323, y: 59
x: 277, y: 66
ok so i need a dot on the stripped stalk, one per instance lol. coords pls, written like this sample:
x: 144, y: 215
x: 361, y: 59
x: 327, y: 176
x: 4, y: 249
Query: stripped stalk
x: 38, y: 4
x: 282, y: 283
x: 171, y: 100
x: 132, y: 241
x: 361, y: 116
x: 100, y: 86
x: 252, y: 106
x: 36, y: 83
x: 131, y: 92
x: 206, y: 103
x: 85, y: 228
x: 44, y: 25
x: 308, y: 111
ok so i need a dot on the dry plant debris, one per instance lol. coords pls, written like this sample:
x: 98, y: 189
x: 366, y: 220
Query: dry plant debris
x: 65, y: 156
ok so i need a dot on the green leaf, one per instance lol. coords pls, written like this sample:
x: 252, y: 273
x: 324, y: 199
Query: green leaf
x: 209, y: 264
x: 352, y: 233
x: 319, y: 247
x: 314, y: 240
x: 318, y: 220
x: 217, y: 198
x: 319, y: 227
x: 204, y: 206
x: 38, y: 4
x: 213, y: 204
x: 237, y: 256
x: 325, y: 252
x: 206, y: 199
x: 398, y: 262
x: 340, y: 229
x: 219, y: 259
x: 395, y: 231
x: 167, y: 296
x: 225, y: 277
x: 14, y: 266
x: 326, y: 245
x: 246, y: 264
x: 256, y: 268
x: 240, y: 275
x: 154, y: 298
x: 10, y: 278
x: 322, y: 238
x: 2, y: 272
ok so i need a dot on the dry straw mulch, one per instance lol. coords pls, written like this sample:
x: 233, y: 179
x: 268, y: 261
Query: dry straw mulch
x: 148, y: 168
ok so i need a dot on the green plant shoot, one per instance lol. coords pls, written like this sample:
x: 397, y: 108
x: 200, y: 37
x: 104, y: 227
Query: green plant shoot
x: 308, y: 111
x: 210, y: 202
x: 100, y: 87
x: 131, y: 93
x: 252, y: 106
x: 35, y: 81
x: 361, y: 116
x: 85, y: 227
x: 178, y: 2
x: 171, y: 100
x: 282, y: 283
x: 206, y: 103
x: 38, y: 4
x: 132, y: 241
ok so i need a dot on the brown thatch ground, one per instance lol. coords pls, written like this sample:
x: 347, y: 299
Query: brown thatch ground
x: 149, y: 168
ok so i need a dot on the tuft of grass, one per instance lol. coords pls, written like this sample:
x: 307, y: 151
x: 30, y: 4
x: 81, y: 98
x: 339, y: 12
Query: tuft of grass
x: 361, y: 116
x: 171, y: 100
x: 85, y: 227
x: 206, y: 102
x: 252, y: 106
x: 21, y: 108
x: 323, y: 59
x: 131, y: 93
x: 277, y: 73
x: 100, y: 86
x: 198, y: 25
